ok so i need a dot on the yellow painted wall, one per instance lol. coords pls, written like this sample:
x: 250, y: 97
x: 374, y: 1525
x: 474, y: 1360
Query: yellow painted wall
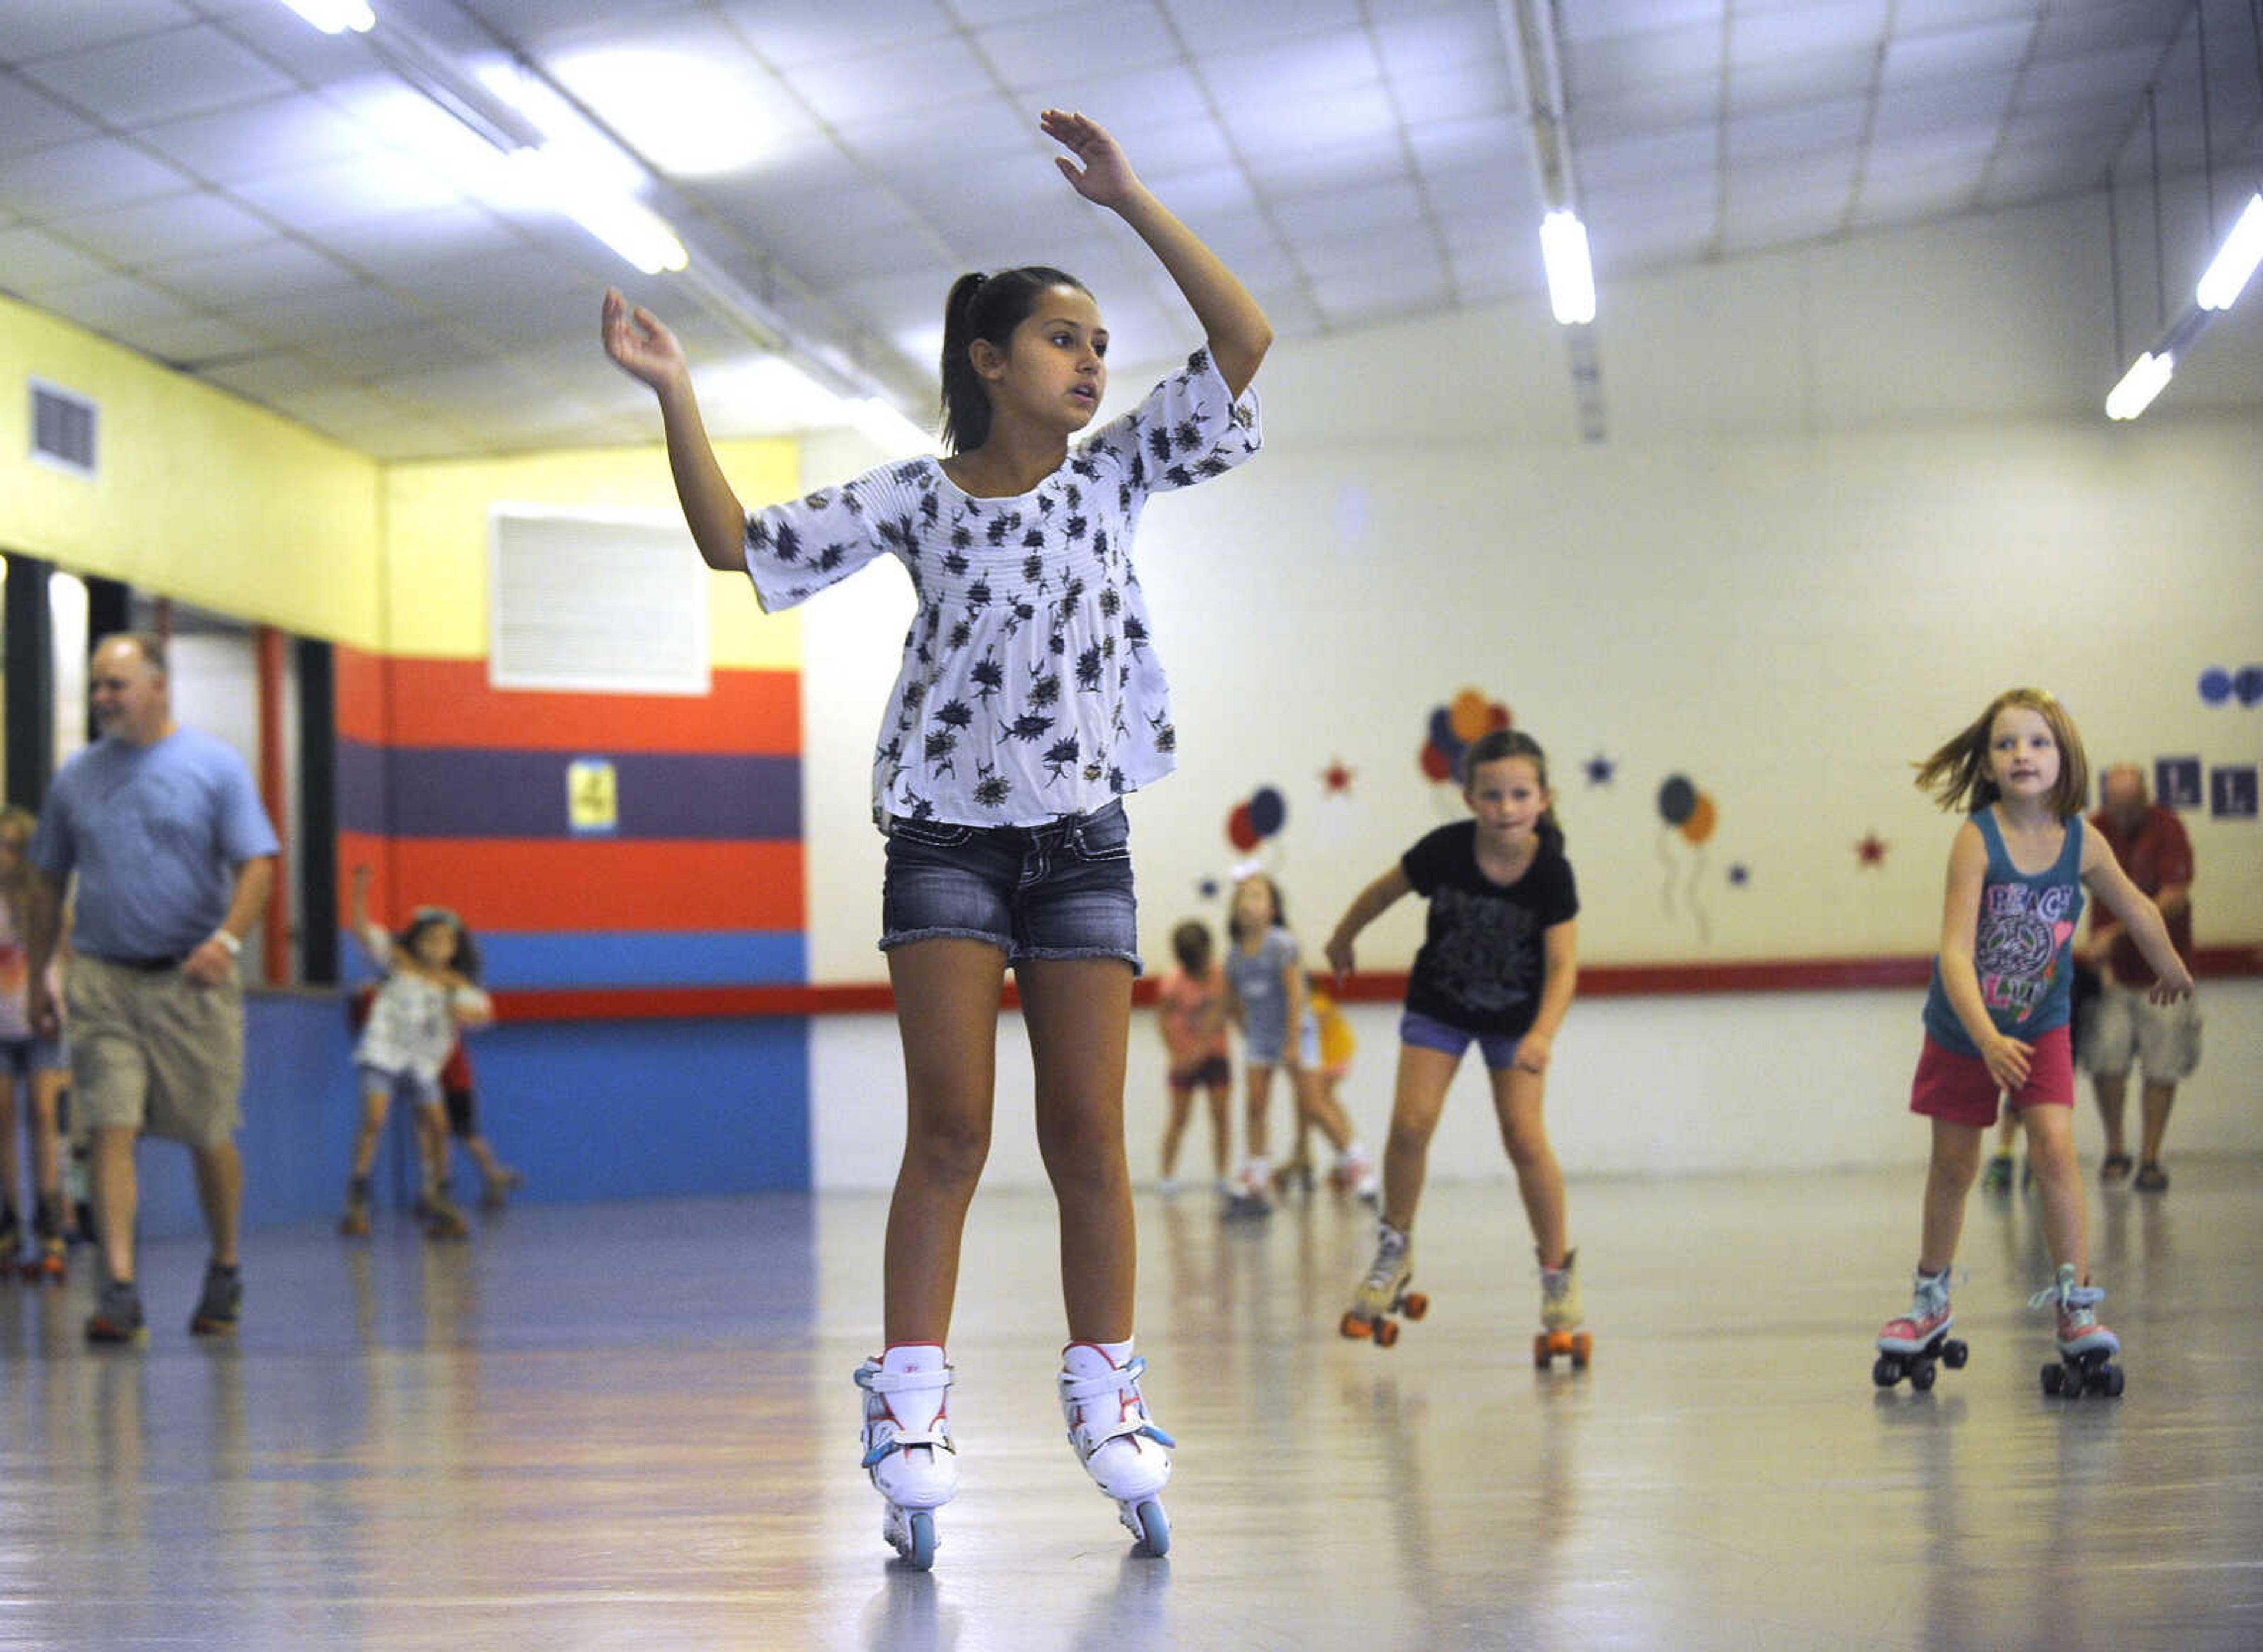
x: 435, y: 603
x: 198, y: 495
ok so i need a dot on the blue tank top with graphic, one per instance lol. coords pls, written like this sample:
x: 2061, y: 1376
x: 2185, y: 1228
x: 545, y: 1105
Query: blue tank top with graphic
x: 2023, y: 949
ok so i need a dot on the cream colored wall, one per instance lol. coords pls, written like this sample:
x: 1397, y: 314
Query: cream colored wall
x: 198, y: 495
x: 436, y: 515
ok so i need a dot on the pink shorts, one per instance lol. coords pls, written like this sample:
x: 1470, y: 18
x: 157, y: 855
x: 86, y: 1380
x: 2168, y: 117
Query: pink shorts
x: 1961, y: 1090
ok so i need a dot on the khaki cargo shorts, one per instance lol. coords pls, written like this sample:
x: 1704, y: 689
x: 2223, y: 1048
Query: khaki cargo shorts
x: 154, y: 1051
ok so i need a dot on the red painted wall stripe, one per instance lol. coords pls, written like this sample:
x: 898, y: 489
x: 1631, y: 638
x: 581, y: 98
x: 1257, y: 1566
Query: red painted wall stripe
x: 1596, y: 981
x: 451, y: 703
x: 542, y: 886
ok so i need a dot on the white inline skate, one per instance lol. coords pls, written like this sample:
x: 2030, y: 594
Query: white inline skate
x: 1115, y: 1439
x: 907, y: 1449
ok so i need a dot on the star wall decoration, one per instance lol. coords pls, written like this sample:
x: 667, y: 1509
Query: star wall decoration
x: 1871, y: 851
x: 1601, y: 768
x: 1335, y: 780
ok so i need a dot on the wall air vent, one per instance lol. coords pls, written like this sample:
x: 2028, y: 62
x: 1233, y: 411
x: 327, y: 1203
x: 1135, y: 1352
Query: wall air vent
x: 63, y: 428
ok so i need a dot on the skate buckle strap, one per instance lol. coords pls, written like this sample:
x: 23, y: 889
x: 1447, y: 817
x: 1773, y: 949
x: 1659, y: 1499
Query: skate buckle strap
x: 873, y: 1380
x: 1125, y: 1378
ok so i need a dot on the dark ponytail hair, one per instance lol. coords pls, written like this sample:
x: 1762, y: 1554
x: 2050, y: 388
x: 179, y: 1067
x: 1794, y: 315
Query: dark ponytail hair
x: 990, y: 307
x: 1497, y: 743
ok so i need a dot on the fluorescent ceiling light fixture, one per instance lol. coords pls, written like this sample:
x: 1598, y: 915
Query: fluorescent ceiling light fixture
x: 2139, y: 386
x: 543, y: 179
x: 336, y: 17
x: 691, y: 116
x: 1571, y: 278
x: 2236, y: 260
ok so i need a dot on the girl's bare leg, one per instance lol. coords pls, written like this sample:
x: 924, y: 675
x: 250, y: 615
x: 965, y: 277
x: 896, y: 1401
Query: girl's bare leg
x: 947, y: 994
x: 1423, y: 1078
x: 1517, y: 1099
x: 1948, y: 1180
x: 1079, y: 1015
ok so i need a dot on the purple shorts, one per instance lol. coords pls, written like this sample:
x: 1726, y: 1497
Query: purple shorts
x: 1426, y: 1032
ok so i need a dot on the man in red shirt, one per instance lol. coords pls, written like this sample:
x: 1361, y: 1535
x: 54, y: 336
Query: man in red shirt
x: 2150, y: 842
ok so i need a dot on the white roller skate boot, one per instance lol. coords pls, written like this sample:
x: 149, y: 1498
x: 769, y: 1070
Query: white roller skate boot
x: 1908, y: 1346
x: 907, y: 1449
x: 1115, y: 1439
x: 1384, y: 1292
x: 1561, y: 1316
x: 2087, y: 1347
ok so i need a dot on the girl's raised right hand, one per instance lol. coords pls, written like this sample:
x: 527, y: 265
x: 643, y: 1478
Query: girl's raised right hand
x: 638, y: 343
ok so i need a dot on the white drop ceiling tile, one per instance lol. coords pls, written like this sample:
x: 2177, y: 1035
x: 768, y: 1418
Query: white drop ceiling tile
x: 1952, y: 150
x: 2026, y: 172
x: 263, y: 378
x: 1509, y: 193
x: 1482, y: 140
x: 1796, y: 132
x: 794, y: 33
x: 1206, y: 193
x: 155, y: 77
x: 990, y: 131
x: 1918, y: 17
x: 33, y: 262
x: 1442, y: 42
x: 1601, y: 19
x: 1351, y: 293
x: 1677, y: 151
x: 115, y: 302
x: 1786, y: 83
x: 1637, y: 109
x: 2079, y: 30
x: 1476, y: 87
x: 45, y: 28
x: 414, y: 349
x: 2099, y: 76
x: 164, y: 231
x: 1176, y: 146
x: 374, y: 185
x: 1346, y: 116
x: 1955, y: 54
x: 890, y: 82
x: 230, y: 278
x: 1815, y: 178
x: 1806, y: 30
x: 405, y: 244
x: 1907, y: 111
x: 85, y: 176
x: 1602, y: 68
x: 1051, y: 61
x: 1316, y: 169
x: 188, y: 341
x: 982, y: 14
x: 1302, y: 67
x: 1383, y: 212
x: 309, y: 320
x: 29, y: 120
x: 1210, y: 28
x: 1143, y: 100
x: 282, y: 134
x: 1933, y: 193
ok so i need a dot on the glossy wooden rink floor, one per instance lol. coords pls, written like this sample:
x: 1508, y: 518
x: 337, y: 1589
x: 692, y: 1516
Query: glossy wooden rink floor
x: 634, y: 1425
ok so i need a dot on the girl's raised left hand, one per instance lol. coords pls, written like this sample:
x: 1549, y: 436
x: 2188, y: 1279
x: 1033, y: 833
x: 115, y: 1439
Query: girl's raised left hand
x: 1106, y: 177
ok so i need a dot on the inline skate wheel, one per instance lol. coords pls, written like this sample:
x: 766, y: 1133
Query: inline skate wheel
x: 920, y: 1556
x: 1154, y: 1527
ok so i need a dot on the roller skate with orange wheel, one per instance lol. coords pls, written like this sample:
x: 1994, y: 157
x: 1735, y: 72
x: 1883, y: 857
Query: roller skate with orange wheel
x: 354, y: 1223
x: 907, y: 1447
x: 46, y: 1261
x: 1384, y: 1292
x: 1913, y: 1345
x: 2087, y: 1347
x: 1127, y: 1456
x: 443, y: 1220
x: 1560, y: 1315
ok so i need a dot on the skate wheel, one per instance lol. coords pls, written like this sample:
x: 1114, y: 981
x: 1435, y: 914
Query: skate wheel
x: 1921, y: 1375
x: 1354, y: 1326
x: 1416, y: 1304
x: 2108, y: 1382
x: 920, y: 1555
x: 2054, y: 1379
x: 1953, y: 1355
x: 1154, y: 1527
x: 1888, y: 1371
x: 1582, y: 1346
x: 1386, y: 1332
x: 1543, y: 1350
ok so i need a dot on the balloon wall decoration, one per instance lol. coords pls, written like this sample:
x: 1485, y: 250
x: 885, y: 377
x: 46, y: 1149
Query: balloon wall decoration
x: 1453, y: 727
x: 1690, y: 815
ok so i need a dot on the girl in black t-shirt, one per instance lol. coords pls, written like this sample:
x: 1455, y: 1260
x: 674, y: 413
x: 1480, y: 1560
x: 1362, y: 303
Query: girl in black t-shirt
x: 1498, y: 966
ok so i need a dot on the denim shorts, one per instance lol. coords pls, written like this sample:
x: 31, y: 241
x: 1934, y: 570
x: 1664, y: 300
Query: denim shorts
x: 1060, y: 890
x: 1426, y: 1033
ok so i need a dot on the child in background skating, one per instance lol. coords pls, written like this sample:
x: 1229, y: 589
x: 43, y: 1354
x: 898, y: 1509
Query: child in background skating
x: 41, y: 1065
x: 1190, y: 1011
x: 428, y: 993
x: 1265, y: 996
x: 1324, y: 1046
x: 1996, y: 1011
x: 1498, y: 966
x: 1030, y: 699
x: 497, y: 1180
